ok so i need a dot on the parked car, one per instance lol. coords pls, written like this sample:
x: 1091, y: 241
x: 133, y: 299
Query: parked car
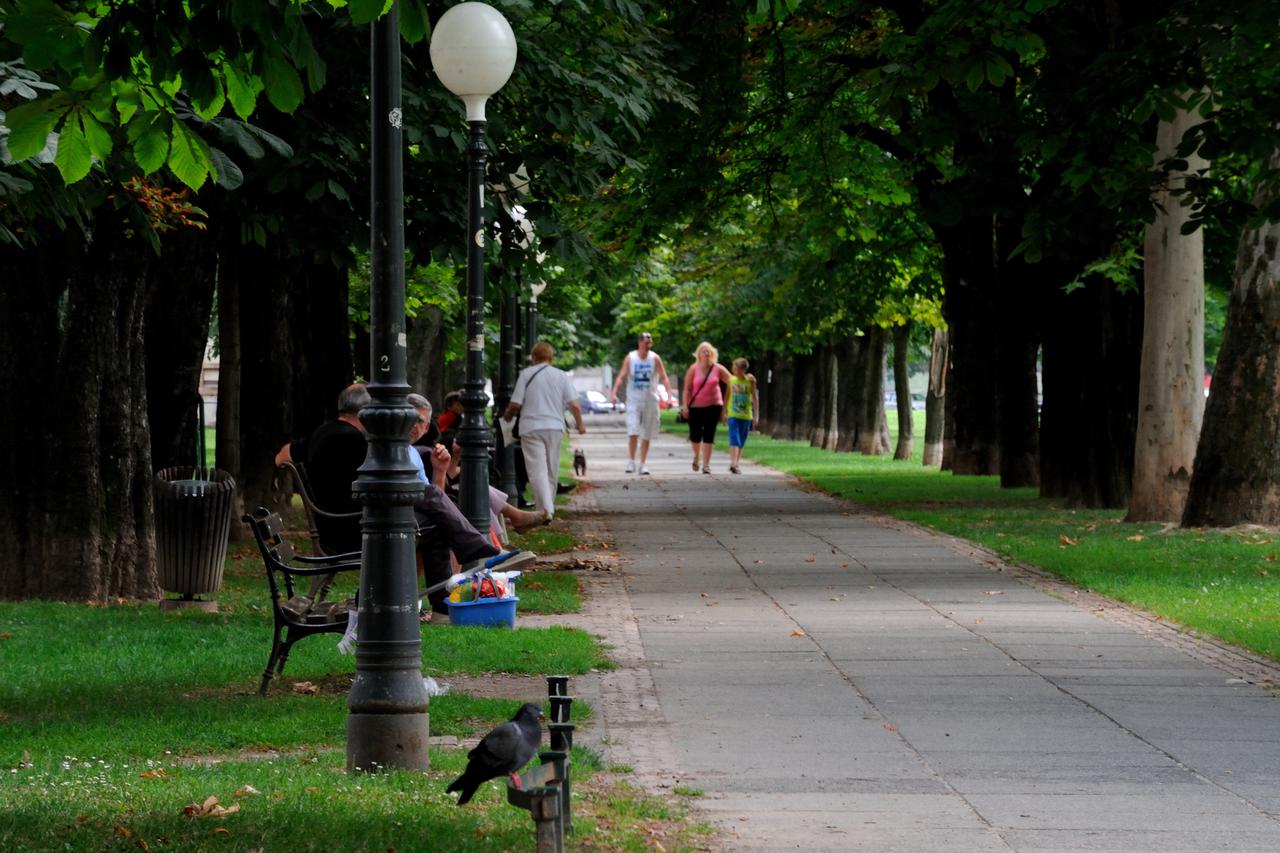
x: 596, y: 403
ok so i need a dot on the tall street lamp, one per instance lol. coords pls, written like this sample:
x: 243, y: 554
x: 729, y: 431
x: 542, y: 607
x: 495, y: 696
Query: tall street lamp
x: 387, y: 723
x: 473, y: 52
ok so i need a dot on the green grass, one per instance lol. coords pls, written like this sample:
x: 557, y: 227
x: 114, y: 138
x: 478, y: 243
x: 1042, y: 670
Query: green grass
x: 116, y: 719
x: 1225, y: 583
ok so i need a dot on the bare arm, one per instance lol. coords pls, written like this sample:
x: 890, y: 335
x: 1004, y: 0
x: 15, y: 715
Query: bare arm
x: 513, y: 409
x: 622, y: 375
x: 576, y: 408
x: 686, y: 389
x: 662, y: 373
x: 284, y: 455
x: 755, y: 400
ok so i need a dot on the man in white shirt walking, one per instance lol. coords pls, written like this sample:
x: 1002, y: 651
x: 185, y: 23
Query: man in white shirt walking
x: 540, y: 397
x: 641, y: 369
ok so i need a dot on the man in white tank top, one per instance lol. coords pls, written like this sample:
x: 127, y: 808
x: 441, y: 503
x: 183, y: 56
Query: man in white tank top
x: 642, y: 369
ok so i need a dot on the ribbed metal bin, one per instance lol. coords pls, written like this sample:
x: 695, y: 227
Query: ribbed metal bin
x: 193, y: 520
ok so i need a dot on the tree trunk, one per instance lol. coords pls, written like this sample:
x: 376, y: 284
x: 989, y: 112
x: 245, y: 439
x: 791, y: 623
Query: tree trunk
x: 427, y: 337
x: 182, y: 285
x: 973, y: 404
x: 832, y: 401
x: 227, y: 425
x: 1236, y: 479
x: 902, y: 387
x: 869, y: 440
x: 1170, y: 390
x: 935, y: 399
x: 806, y: 400
x: 1018, y: 342
x: 80, y: 517
x: 1092, y: 348
x: 784, y: 396
x: 295, y: 358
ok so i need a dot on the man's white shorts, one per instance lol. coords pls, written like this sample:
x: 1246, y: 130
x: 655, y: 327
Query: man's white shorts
x: 642, y: 419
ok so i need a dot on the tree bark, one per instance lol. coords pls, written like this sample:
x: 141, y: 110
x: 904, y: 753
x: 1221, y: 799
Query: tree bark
x: 935, y: 399
x: 425, y: 369
x: 79, y: 516
x: 831, y: 405
x: 806, y: 401
x: 227, y: 424
x: 1236, y: 478
x: 1170, y: 390
x: 1018, y: 345
x: 902, y: 387
x: 1092, y: 348
x: 973, y: 404
x: 182, y: 286
x: 869, y: 440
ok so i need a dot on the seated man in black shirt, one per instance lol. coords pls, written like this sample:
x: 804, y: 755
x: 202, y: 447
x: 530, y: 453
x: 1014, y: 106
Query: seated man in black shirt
x: 333, y: 453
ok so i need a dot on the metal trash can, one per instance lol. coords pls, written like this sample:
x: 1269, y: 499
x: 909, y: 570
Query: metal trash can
x: 193, y: 521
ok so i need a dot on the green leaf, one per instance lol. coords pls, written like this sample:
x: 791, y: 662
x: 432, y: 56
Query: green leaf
x: 974, y: 76
x: 211, y: 99
x: 413, y: 21
x: 150, y: 137
x: 98, y: 137
x: 73, y: 158
x: 284, y: 86
x: 227, y: 174
x: 242, y: 89
x: 30, y: 125
x: 364, y: 11
x: 189, y: 158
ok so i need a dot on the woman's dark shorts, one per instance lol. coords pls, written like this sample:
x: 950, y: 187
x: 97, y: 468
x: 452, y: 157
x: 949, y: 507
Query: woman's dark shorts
x: 702, y: 423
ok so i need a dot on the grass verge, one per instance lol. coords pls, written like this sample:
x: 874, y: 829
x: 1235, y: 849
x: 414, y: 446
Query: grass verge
x: 1221, y: 582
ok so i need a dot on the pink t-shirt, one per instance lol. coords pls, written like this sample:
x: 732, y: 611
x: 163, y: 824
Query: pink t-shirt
x: 705, y: 393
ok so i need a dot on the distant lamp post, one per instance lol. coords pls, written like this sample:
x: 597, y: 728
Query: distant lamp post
x: 473, y: 52
x: 522, y: 238
x: 535, y: 290
x: 387, y: 721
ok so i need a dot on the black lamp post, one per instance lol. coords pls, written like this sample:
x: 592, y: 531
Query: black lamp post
x: 473, y: 52
x: 388, y: 720
x: 506, y: 387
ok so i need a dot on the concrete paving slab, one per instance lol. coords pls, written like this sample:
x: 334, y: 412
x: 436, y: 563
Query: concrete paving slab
x: 847, y: 684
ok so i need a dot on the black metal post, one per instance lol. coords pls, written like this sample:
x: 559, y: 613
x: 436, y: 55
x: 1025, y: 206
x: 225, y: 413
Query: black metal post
x: 506, y: 386
x: 388, y: 720
x: 474, y: 436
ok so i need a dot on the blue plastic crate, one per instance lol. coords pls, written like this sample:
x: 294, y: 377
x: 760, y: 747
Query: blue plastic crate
x: 492, y: 612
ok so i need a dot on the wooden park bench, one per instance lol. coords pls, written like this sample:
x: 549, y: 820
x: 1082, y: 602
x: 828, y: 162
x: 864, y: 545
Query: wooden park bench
x: 296, y: 616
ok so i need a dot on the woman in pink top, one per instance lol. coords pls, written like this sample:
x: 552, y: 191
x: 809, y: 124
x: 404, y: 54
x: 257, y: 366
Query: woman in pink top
x: 703, y: 402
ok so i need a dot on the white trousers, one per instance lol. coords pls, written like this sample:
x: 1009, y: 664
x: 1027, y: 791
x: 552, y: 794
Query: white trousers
x: 541, y: 449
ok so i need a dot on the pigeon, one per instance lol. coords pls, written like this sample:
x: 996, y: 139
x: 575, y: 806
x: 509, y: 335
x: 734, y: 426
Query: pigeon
x: 501, y: 752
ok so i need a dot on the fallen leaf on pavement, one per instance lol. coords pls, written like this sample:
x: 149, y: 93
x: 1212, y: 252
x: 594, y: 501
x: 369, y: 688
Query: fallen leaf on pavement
x: 994, y: 592
x: 798, y: 633
x: 809, y: 559
x: 890, y: 727
x: 978, y: 621
x: 305, y: 687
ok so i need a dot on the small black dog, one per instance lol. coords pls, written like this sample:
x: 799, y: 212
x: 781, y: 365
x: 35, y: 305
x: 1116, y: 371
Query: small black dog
x: 579, y: 462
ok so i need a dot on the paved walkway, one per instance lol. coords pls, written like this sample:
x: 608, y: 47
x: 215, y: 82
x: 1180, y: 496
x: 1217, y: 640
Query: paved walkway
x: 834, y: 683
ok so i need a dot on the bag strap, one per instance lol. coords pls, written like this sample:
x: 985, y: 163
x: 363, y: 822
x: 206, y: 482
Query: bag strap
x: 703, y: 384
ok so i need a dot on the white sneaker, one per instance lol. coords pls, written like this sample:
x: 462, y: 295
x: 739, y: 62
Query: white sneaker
x: 644, y: 469
x: 631, y: 466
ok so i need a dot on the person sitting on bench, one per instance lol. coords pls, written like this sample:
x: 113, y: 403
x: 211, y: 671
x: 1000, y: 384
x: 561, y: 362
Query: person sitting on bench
x: 333, y: 453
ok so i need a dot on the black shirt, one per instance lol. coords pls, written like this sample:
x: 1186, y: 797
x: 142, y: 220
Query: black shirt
x: 331, y: 456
